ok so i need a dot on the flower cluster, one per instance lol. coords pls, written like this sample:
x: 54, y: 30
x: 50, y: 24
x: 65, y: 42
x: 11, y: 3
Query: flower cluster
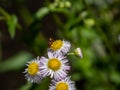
x: 60, y: 4
x: 55, y: 65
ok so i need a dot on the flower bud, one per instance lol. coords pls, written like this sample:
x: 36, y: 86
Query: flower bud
x: 78, y: 52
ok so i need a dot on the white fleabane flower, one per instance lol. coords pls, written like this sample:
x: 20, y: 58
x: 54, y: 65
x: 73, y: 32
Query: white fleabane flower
x: 56, y: 66
x: 78, y: 52
x: 60, y: 46
x: 33, y: 71
x: 64, y: 84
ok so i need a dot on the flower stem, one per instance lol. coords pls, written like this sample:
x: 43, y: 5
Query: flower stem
x: 70, y: 54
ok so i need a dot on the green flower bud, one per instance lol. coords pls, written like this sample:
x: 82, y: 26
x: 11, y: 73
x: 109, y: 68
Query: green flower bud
x: 78, y: 52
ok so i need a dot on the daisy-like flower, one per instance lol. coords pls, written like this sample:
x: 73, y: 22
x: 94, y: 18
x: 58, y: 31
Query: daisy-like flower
x: 78, y: 52
x: 56, y: 66
x: 33, y: 71
x: 60, y: 46
x: 64, y: 84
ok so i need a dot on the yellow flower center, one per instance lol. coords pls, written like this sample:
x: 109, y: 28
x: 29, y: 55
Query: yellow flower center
x: 56, y: 45
x: 62, y: 86
x: 54, y: 64
x: 33, y: 68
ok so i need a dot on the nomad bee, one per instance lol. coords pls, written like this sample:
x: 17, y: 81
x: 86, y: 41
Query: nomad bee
x: 51, y: 40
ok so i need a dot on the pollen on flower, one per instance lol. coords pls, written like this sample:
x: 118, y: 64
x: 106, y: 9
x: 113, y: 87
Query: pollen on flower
x: 61, y: 86
x: 54, y: 64
x: 33, y: 68
x: 56, y: 45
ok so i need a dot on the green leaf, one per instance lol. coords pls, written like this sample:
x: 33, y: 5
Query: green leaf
x: 12, y: 23
x: 27, y: 86
x: 76, y: 76
x: 115, y: 77
x: 16, y: 62
x: 27, y: 16
x: 42, y: 12
x: 43, y: 85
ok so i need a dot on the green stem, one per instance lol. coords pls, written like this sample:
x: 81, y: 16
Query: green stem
x: 4, y: 13
x: 70, y: 54
x: 2, y: 18
x: 58, y: 21
x: 107, y: 42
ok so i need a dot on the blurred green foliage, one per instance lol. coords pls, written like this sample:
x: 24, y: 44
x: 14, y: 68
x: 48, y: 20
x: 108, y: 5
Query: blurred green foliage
x: 92, y: 25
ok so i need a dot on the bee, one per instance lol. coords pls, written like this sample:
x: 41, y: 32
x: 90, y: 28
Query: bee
x: 50, y: 41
